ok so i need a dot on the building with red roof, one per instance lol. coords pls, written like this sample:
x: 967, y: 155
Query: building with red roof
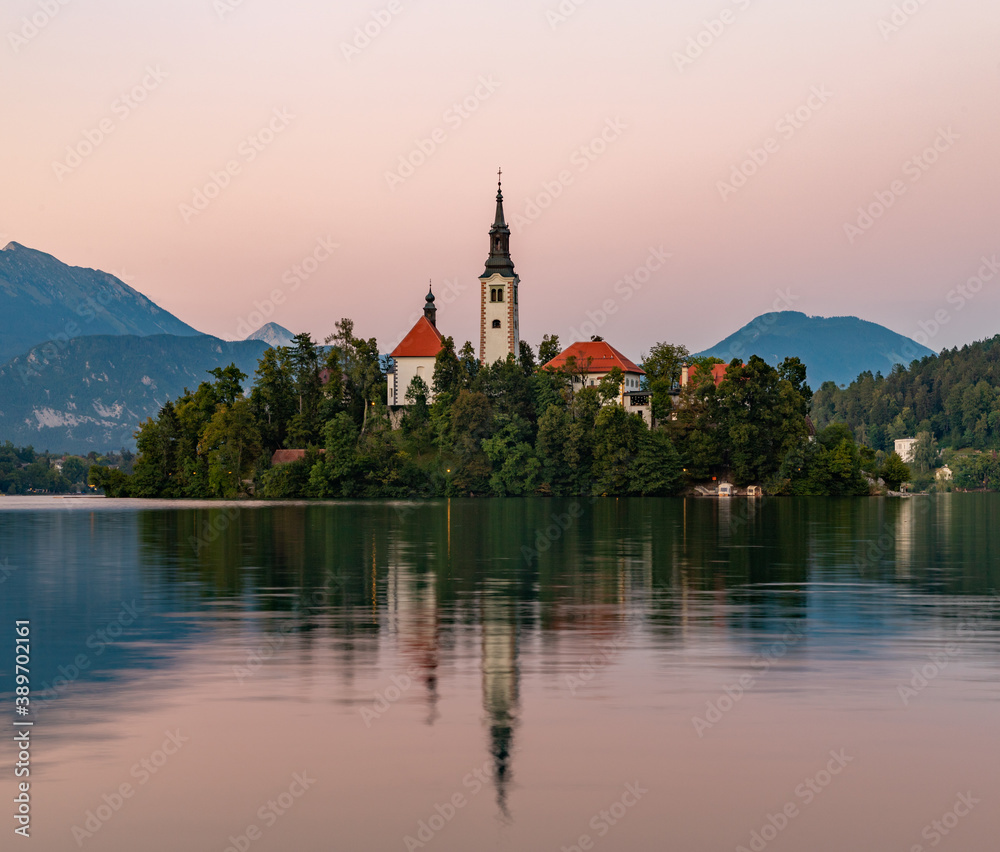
x: 415, y: 355
x: 589, y: 362
x: 688, y: 372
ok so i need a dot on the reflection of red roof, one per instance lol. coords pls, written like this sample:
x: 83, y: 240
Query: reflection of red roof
x: 603, y: 357
x: 423, y: 341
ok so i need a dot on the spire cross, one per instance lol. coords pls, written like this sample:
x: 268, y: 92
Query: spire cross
x: 499, y: 174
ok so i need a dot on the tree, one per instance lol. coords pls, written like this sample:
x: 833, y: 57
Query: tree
x: 156, y: 441
x: 334, y: 473
x: 228, y: 383
x: 925, y: 452
x: 448, y: 373
x: 469, y: 365
x: 232, y: 444
x: 664, y: 363
x: 471, y: 418
x: 416, y: 420
x: 113, y: 482
x: 761, y: 416
x: 609, y: 388
x: 273, y: 397
x: 657, y: 469
x: 548, y: 349
x: 75, y: 469
x: 363, y: 368
x: 551, y: 444
x: 303, y: 361
x: 895, y: 472
x: 526, y: 358
x: 830, y: 466
x: 515, y: 465
x: 616, y: 445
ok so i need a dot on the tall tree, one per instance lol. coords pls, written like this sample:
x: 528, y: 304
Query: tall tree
x: 548, y: 349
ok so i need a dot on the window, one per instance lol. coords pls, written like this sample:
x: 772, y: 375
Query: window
x: 499, y: 294
x: 496, y: 323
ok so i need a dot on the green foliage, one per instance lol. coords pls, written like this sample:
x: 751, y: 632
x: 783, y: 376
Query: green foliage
x: 925, y: 453
x: 503, y: 429
x: 112, y: 481
x: 516, y: 467
x: 232, y: 444
x: 449, y: 377
x: 955, y: 396
x: 657, y: 470
x: 895, y: 472
x: 830, y: 465
x: 976, y: 471
x: 23, y: 471
x: 663, y: 364
x: 747, y: 425
x: 609, y: 388
x: 548, y: 349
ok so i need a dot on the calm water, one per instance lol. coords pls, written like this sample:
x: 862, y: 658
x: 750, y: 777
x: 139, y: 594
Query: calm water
x: 815, y: 675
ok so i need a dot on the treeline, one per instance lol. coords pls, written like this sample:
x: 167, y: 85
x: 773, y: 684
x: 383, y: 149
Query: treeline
x: 954, y: 397
x: 25, y: 471
x: 505, y: 429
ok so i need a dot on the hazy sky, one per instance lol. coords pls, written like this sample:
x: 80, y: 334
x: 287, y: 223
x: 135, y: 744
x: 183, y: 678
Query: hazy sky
x: 739, y: 137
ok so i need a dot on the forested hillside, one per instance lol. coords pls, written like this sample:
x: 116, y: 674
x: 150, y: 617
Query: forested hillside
x: 955, y: 396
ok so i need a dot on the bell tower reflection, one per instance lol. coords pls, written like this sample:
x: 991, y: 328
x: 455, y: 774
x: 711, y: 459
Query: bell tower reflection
x: 501, y: 687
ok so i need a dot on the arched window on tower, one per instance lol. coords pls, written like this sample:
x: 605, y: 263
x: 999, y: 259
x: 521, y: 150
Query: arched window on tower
x: 493, y: 294
x: 499, y: 294
x: 496, y: 323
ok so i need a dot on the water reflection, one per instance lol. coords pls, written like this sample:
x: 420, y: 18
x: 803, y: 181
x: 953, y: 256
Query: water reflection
x: 536, y: 601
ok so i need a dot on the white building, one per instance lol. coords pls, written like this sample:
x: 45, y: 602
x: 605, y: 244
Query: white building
x: 415, y: 356
x: 589, y: 362
x: 499, y: 331
x: 904, y: 448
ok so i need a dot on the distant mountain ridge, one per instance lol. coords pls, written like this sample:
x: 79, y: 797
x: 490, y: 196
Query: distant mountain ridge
x: 43, y: 299
x: 93, y: 392
x: 836, y: 349
x: 272, y: 334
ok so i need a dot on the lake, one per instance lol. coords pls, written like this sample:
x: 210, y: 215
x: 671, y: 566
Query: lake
x: 612, y: 674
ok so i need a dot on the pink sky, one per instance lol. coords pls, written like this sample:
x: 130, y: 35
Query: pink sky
x: 212, y: 76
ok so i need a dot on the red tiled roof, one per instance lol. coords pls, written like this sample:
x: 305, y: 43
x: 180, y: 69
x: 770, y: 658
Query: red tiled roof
x: 718, y: 372
x: 287, y: 456
x: 603, y: 357
x: 423, y: 341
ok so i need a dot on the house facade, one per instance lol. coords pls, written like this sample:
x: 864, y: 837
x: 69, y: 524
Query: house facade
x: 904, y: 448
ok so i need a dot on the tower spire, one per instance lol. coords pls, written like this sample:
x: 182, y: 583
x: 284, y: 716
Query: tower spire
x: 499, y: 259
x: 430, y: 311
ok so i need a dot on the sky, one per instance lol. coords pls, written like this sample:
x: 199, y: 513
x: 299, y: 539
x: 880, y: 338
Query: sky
x: 671, y: 170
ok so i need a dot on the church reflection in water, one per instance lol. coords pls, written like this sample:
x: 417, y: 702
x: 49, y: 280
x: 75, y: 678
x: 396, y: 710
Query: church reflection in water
x: 442, y: 583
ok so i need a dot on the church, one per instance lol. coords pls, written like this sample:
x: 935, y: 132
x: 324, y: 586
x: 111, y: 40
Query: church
x: 499, y: 331
x: 499, y: 334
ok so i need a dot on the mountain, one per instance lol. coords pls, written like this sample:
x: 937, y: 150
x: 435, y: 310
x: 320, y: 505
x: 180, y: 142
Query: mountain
x: 91, y: 393
x: 273, y: 335
x: 836, y: 349
x: 41, y: 299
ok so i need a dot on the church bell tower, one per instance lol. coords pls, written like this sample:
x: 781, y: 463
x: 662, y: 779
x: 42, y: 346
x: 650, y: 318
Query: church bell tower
x: 499, y: 334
